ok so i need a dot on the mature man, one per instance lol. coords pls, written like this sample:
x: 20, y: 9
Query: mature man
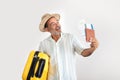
x: 61, y: 48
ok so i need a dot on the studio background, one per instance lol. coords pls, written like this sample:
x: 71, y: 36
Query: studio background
x: 19, y: 34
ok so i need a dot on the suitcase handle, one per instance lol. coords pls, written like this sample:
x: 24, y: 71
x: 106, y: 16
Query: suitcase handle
x: 33, y: 65
x: 40, y: 68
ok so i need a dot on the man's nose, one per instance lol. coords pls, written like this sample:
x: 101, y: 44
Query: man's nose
x: 58, y: 24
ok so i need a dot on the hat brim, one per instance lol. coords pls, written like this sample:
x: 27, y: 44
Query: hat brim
x: 46, y: 18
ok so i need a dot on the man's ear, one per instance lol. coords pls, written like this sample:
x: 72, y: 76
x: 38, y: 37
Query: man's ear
x: 46, y: 30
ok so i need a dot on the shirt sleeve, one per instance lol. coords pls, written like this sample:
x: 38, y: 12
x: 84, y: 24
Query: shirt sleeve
x: 40, y: 48
x: 77, y: 45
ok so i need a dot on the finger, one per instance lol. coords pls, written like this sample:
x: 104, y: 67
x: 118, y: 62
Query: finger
x: 91, y: 39
x: 94, y: 44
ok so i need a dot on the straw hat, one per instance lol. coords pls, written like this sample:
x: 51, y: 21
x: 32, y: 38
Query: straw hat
x: 45, y: 18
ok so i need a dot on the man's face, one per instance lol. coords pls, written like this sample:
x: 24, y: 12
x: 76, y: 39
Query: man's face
x: 53, y: 26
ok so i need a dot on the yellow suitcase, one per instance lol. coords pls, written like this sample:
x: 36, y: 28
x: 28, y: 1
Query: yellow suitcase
x: 36, y: 67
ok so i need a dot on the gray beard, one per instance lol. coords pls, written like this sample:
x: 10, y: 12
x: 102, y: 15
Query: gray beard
x: 55, y: 33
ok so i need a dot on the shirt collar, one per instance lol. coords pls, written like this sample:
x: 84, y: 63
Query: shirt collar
x: 51, y: 39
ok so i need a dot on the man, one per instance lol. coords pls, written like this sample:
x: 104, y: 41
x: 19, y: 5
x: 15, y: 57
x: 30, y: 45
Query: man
x: 61, y: 48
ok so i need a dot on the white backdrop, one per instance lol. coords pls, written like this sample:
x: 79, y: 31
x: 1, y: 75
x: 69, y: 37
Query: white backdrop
x: 19, y: 34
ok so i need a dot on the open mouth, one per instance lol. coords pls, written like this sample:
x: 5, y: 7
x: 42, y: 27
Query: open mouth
x: 58, y: 28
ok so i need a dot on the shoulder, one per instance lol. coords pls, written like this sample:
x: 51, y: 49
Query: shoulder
x: 67, y: 35
x: 45, y: 40
x: 71, y: 37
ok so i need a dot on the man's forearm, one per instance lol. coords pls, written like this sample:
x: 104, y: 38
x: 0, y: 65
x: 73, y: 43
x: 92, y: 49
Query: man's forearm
x: 88, y: 51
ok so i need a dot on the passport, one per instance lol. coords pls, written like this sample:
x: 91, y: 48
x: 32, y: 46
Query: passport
x: 89, y: 32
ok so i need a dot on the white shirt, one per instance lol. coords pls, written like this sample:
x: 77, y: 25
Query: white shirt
x: 62, y: 56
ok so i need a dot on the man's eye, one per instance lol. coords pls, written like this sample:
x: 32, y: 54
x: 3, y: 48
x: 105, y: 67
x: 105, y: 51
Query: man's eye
x: 53, y: 24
